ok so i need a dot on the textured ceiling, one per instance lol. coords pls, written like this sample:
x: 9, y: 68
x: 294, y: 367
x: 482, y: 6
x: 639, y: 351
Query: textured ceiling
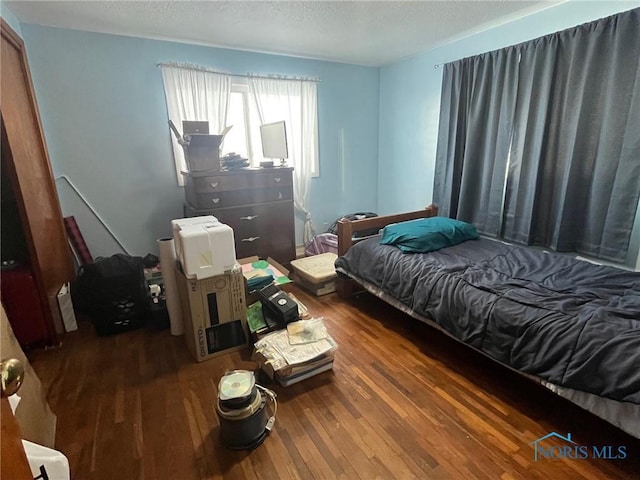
x: 371, y: 33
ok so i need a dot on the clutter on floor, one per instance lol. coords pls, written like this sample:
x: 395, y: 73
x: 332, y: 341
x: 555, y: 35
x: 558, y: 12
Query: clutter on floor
x: 322, y: 243
x: 317, y: 274
x: 214, y: 313
x: 113, y: 292
x: 328, y: 241
x: 242, y: 410
x: 293, y: 354
x: 261, y: 273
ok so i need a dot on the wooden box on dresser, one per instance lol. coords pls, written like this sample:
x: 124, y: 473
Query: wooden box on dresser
x: 257, y: 203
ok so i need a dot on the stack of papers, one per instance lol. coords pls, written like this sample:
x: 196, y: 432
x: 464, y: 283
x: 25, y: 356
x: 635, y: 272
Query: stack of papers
x: 306, y: 331
x: 302, y: 350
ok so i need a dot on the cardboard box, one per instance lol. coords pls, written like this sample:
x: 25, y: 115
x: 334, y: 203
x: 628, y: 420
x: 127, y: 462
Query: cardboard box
x: 202, y: 151
x: 214, y: 312
x: 254, y: 267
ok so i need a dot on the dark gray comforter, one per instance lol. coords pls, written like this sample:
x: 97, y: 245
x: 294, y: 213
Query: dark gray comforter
x: 570, y: 322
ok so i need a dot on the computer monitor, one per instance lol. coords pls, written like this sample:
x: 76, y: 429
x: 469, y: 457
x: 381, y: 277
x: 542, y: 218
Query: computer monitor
x: 274, y: 140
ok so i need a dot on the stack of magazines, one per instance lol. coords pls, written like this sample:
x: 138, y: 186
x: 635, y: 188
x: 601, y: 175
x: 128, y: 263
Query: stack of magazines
x: 300, y: 351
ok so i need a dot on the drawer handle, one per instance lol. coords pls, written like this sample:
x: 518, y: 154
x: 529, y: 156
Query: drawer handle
x: 280, y: 196
x: 215, y: 200
x: 249, y: 217
x: 277, y: 179
x: 250, y: 239
x: 214, y: 184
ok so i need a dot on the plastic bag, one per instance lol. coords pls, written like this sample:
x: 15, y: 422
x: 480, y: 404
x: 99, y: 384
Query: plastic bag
x: 53, y: 462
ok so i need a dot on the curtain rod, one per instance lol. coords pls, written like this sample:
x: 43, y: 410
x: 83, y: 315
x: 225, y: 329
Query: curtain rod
x: 246, y: 75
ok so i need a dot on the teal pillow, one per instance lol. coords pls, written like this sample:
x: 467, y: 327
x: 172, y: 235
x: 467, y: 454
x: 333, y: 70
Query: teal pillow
x: 428, y: 234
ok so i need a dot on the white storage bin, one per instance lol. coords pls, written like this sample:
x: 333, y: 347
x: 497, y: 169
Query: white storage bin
x: 316, y: 273
x: 180, y: 223
x: 206, y: 250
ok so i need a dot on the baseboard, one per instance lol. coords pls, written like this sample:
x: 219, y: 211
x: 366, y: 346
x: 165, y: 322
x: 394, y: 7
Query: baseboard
x: 300, y: 251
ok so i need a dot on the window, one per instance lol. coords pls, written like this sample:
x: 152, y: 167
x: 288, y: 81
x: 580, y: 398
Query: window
x: 238, y: 140
x: 245, y: 103
x: 244, y: 138
x: 538, y: 142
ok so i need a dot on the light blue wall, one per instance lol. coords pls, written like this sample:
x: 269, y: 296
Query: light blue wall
x: 104, y: 115
x: 10, y: 18
x: 410, y: 103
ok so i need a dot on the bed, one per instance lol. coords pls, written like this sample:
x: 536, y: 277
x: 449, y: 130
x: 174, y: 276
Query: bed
x: 571, y: 325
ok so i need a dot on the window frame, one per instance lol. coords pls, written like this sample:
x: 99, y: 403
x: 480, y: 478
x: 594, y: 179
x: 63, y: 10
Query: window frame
x: 241, y: 85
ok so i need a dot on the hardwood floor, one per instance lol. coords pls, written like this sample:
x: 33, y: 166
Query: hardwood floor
x: 403, y: 401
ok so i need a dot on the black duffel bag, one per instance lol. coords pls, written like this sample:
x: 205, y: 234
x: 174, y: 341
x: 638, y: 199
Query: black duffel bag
x: 113, y: 293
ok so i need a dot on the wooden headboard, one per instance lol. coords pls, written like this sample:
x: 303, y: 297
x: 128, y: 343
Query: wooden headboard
x: 348, y: 228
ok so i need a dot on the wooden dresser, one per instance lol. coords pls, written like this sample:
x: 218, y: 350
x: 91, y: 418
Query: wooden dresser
x: 256, y: 202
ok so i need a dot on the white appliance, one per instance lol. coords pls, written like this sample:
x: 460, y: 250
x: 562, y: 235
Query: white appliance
x: 206, y: 249
x: 180, y: 223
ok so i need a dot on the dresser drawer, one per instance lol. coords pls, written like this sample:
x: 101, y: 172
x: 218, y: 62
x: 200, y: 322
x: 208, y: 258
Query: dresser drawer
x: 239, y: 181
x: 273, y: 220
x: 240, y: 197
x: 263, y: 230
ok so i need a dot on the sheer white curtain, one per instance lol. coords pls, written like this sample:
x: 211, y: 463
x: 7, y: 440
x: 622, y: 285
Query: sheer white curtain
x: 295, y: 102
x: 194, y: 94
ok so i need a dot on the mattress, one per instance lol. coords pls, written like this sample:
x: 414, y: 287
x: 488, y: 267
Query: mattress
x: 567, y: 322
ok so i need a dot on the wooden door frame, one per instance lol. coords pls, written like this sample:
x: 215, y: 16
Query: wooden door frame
x: 53, y: 319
